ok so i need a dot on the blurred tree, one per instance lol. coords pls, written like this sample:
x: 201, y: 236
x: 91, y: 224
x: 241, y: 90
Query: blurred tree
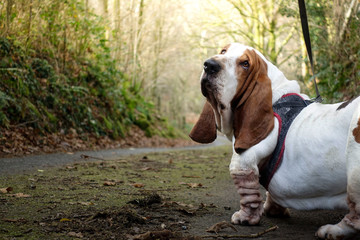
x: 257, y: 23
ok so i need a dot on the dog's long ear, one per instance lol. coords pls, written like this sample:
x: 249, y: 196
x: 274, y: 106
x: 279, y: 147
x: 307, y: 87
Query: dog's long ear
x: 252, y: 105
x: 204, y: 130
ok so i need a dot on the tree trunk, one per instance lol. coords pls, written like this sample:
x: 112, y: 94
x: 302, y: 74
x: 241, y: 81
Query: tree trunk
x: 353, y: 8
x: 30, y: 20
x: 117, y: 29
x: 8, y: 15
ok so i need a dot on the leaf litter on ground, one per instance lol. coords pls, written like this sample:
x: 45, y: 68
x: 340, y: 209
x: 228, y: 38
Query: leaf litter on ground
x: 87, y: 204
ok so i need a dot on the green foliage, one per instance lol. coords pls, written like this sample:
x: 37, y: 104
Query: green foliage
x: 337, y: 66
x: 68, y: 79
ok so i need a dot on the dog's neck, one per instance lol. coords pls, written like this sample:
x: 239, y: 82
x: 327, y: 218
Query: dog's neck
x: 280, y: 85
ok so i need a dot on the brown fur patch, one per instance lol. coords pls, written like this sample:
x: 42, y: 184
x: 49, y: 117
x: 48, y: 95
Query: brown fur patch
x: 356, y: 132
x: 252, y: 103
x: 204, y: 130
x: 344, y: 104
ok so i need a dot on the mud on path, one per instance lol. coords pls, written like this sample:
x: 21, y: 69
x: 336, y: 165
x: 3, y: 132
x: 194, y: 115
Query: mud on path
x: 168, y: 195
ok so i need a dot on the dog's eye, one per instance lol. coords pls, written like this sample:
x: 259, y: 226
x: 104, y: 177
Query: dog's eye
x: 223, y: 51
x: 245, y: 64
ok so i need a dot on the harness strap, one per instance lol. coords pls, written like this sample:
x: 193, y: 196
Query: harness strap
x: 305, y: 29
x: 286, y: 109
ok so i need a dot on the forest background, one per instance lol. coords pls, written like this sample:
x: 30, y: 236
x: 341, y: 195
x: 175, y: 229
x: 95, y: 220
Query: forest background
x: 95, y: 69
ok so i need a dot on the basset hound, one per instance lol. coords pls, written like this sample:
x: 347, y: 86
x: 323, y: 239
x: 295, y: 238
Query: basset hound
x: 306, y: 154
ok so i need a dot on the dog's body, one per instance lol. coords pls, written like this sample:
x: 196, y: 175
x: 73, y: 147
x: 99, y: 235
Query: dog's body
x: 320, y: 166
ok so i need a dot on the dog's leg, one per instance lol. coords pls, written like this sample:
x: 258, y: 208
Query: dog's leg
x: 251, y: 207
x: 272, y: 209
x: 245, y: 173
x: 350, y: 224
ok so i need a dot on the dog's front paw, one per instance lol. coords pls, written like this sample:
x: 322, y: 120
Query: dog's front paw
x: 243, y: 218
x: 339, y: 231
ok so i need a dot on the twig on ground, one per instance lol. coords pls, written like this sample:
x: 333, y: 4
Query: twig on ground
x: 255, y: 235
x: 221, y: 225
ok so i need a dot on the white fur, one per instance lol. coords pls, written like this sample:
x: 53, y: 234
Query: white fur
x: 321, y: 158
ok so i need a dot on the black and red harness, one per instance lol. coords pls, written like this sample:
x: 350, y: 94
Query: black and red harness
x: 285, y: 110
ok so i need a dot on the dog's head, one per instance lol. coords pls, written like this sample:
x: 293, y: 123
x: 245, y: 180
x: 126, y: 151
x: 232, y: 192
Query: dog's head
x: 239, y: 98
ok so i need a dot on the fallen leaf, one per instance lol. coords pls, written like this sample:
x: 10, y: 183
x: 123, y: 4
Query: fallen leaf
x: 74, y: 234
x: 65, y: 220
x: 137, y: 185
x: 20, y: 195
x: 22, y: 220
x: 195, y: 185
x: 71, y: 167
x: 86, y: 203
x: 108, y: 183
x: 192, y: 185
x: 6, y: 190
x: 146, y: 169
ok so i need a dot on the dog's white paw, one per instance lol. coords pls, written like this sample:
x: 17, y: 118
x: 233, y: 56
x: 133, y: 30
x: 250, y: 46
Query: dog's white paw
x: 243, y: 218
x: 340, y: 231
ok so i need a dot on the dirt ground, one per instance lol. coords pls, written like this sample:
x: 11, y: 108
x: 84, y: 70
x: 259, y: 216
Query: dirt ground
x: 169, y: 195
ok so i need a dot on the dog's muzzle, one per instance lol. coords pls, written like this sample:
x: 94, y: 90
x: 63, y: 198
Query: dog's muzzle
x: 211, y: 69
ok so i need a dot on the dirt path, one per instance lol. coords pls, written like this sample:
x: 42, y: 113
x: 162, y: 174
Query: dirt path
x: 171, y: 195
x: 25, y: 164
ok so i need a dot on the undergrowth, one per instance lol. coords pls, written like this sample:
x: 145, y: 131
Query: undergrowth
x: 89, y: 96
x: 58, y: 73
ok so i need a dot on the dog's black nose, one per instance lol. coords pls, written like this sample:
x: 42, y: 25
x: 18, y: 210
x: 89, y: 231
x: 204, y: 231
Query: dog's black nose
x: 211, y: 66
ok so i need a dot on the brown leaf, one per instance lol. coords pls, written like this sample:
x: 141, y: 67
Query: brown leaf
x: 22, y: 220
x: 137, y: 185
x: 86, y: 203
x: 146, y: 169
x: 108, y: 183
x: 195, y: 185
x: 20, y: 195
x: 6, y: 190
